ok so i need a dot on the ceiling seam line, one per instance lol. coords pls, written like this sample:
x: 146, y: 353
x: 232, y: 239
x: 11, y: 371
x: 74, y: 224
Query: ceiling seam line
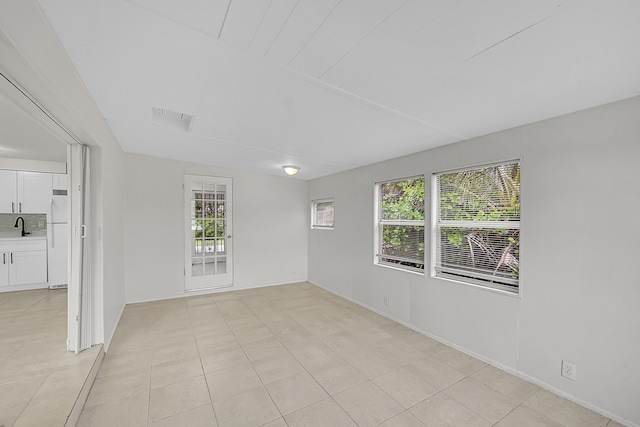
x: 173, y: 21
x: 201, y: 32
x: 507, y: 38
x: 314, y: 33
x: 365, y: 36
x: 367, y: 101
x: 293, y: 9
x: 396, y: 85
x: 226, y: 14
x: 260, y: 24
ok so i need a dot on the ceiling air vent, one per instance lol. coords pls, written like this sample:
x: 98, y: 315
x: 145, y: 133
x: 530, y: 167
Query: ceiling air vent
x: 171, y: 119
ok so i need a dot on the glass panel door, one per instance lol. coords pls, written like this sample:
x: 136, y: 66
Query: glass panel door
x: 208, y: 258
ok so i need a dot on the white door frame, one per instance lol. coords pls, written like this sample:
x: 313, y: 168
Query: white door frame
x: 218, y: 249
x: 79, y: 288
x: 78, y: 292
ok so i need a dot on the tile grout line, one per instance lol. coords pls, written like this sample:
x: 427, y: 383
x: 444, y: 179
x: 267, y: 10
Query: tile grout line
x: 330, y: 396
x: 253, y: 367
x: 204, y: 374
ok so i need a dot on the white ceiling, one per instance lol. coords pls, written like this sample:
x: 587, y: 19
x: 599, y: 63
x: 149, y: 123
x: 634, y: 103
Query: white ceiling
x: 331, y: 85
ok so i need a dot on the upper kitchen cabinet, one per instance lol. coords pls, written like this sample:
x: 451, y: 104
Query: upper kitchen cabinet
x: 25, y: 192
x: 8, y: 191
x: 34, y: 192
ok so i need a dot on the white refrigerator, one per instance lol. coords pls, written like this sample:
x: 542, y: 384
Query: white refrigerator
x: 57, y: 239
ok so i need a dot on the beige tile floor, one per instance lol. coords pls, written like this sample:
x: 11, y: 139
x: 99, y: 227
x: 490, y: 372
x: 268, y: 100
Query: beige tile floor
x: 296, y: 355
x: 40, y: 382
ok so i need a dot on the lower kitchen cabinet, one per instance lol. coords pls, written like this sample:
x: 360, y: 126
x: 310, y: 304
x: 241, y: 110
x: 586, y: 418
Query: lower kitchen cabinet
x: 23, y: 262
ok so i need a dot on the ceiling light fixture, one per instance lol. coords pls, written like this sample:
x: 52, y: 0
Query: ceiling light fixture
x: 290, y: 169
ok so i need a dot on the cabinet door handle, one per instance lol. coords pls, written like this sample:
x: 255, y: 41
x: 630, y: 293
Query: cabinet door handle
x: 20, y: 207
x: 4, y: 258
x: 13, y: 207
x: 11, y: 257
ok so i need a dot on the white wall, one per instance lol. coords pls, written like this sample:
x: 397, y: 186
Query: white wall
x: 108, y: 222
x: 270, y: 217
x: 580, y: 291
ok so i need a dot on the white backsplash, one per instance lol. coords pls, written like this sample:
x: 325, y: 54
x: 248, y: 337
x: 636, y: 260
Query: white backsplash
x: 34, y: 223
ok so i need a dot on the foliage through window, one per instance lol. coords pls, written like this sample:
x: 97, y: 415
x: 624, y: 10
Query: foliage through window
x: 400, y: 224
x: 477, y: 226
x: 208, y: 221
x: 322, y: 214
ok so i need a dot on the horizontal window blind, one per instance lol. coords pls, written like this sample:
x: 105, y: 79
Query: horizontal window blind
x: 401, y: 223
x: 403, y: 243
x: 323, y: 214
x: 477, y: 233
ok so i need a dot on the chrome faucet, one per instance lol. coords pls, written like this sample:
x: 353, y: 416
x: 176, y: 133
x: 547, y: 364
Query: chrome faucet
x: 24, y: 233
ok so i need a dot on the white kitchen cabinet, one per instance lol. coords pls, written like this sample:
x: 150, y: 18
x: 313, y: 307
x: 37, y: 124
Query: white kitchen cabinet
x: 28, y: 267
x: 25, y: 192
x: 23, y: 261
x: 34, y: 192
x: 8, y: 191
x: 4, y: 269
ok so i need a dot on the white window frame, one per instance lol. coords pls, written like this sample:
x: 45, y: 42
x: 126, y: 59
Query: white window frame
x: 439, y: 272
x: 314, y: 206
x: 378, y: 227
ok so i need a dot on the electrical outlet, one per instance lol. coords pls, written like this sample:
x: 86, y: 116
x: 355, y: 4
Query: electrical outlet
x: 386, y: 300
x: 568, y: 370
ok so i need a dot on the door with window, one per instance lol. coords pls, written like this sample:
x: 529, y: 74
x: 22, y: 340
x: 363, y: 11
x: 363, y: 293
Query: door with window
x: 208, y: 244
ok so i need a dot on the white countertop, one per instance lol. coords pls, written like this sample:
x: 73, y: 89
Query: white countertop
x: 16, y: 236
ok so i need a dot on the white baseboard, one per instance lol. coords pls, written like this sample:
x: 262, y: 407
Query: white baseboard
x: 107, y: 339
x: 492, y: 362
x: 208, y: 291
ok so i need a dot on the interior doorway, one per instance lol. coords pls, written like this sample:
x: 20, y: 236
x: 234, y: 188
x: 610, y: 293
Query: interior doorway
x: 32, y: 139
x: 208, y: 225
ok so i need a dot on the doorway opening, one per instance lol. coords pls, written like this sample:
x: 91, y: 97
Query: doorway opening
x: 208, y: 225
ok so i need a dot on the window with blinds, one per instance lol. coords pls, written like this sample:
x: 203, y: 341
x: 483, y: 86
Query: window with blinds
x: 322, y: 214
x: 477, y: 225
x: 400, y: 224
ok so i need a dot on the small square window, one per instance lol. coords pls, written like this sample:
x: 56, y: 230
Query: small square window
x: 322, y: 214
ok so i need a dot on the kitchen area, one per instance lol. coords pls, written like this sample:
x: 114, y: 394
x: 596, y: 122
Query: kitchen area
x: 33, y: 230
x: 41, y: 380
x: 39, y: 376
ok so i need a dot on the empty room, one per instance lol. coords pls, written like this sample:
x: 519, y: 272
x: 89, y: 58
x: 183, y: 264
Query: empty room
x: 320, y: 213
